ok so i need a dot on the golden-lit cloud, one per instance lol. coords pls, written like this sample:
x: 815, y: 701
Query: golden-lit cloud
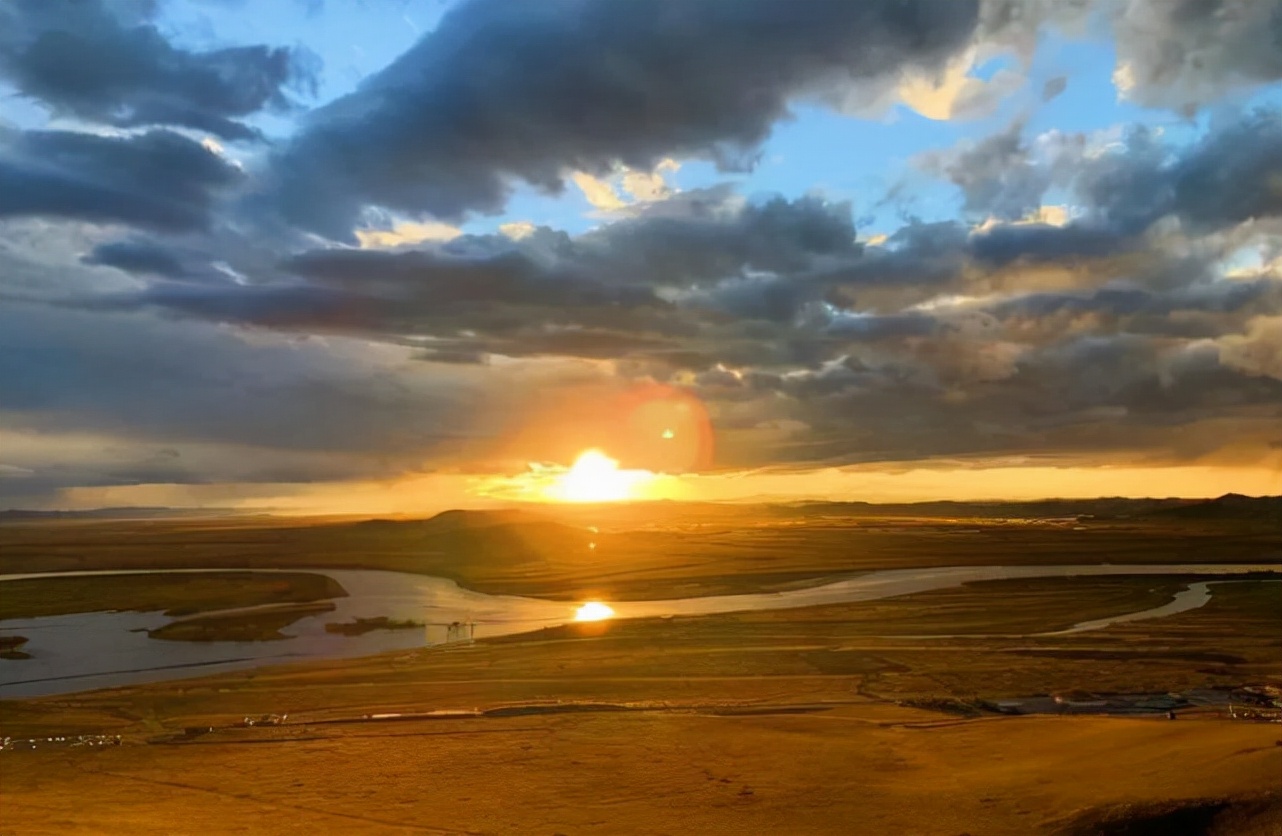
x: 597, y: 191
x: 427, y: 494
x: 516, y: 230
x: 608, y: 194
x: 953, y: 92
x: 1258, y: 351
x: 407, y: 232
x: 650, y: 185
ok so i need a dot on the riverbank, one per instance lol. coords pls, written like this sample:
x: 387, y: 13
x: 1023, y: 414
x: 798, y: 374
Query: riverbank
x: 789, y: 720
x: 174, y: 595
x: 563, y: 558
x: 116, y: 654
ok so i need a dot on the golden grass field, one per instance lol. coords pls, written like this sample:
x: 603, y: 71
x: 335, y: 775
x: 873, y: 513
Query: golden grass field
x: 792, y: 721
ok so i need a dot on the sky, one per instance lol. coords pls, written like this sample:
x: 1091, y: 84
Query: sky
x: 369, y: 257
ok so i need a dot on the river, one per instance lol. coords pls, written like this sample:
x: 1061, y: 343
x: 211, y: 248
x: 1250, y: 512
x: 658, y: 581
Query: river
x: 85, y: 651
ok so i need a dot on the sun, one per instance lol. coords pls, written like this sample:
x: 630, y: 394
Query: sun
x: 594, y: 611
x: 595, y: 477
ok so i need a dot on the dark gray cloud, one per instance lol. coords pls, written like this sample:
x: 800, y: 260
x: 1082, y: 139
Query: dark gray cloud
x: 771, y: 285
x: 1054, y: 88
x: 868, y: 327
x: 517, y: 91
x: 1037, y: 242
x: 998, y: 176
x: 1113, y: 398
x: 718, y: 239
x: 1114, y: 333
x: 1175, y: 54
x: 916, y: 255
x: 105, y: 62
x: 1234, y: 175
x: 139, y: 257
x: 1185, y: 53
x: 1229, y: 176
x: 134, y: 376
x: 1261, y: 296
x: 439, y: 280
x: 601, y: 281
x: 158, y: 180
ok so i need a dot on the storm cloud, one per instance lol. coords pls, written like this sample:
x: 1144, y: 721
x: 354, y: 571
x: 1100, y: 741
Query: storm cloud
x: 105, y: 62
x: 329, y: 303
x: 159, y: 180
x: 506, y: 91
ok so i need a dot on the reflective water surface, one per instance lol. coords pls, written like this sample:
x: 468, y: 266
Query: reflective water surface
x: 104, y: 649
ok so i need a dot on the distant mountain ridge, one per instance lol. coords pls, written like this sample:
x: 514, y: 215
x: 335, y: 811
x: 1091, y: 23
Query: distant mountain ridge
x: 463, y: 521
x: 122, y: 513
x: 1231, y: 506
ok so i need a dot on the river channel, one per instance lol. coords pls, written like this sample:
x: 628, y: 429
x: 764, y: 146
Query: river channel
x: 85, y: 651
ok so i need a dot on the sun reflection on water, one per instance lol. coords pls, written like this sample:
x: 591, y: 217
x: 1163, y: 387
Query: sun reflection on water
x: 593, y: 611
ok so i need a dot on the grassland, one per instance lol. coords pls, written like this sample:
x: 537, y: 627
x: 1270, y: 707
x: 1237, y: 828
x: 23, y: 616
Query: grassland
x: 786, y: 721
x: 175, y: 595
x: 534, y: 555
x: 851, y: 770
x: 361, y: 626
x: 239, y: 626
x: 791, y: 721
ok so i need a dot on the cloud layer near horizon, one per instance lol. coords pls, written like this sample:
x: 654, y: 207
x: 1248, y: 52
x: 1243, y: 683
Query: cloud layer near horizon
x: 214, y: 313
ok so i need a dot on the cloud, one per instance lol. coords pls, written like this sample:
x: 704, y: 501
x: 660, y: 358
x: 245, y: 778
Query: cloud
x: 1185, y: 53
x: 105, y: 62
x: 516, y: 230
x: 158, y: 180
x: 608, y: 194
x: 695, y: 238
x: 439, y: 280
x: 211, y: 341
x: 647, y: 186
x: 1233, y: 173
x: 625, y: 285
x: 133, y: 376
x: 138, y: 257
x: 504, y: 92
x: 951, y: 93
x: 1054, y: 88
x: 597, y: 191
x: 1004, y: 176
x: 405, y: 233
x: 1006, y: 243
x: 1175, y: 54
x: 1256, y: 352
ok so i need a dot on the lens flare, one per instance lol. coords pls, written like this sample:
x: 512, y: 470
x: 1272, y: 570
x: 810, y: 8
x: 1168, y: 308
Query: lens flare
x: 593, y: 611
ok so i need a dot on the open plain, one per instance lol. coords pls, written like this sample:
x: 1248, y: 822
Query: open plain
x: 876, y: 716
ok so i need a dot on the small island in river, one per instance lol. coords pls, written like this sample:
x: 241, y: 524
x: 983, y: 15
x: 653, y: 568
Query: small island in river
x: 361, y: 626
x: 11, y: 647
x: 245, y: 626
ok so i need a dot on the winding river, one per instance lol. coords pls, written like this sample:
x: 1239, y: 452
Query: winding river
x: 85, y: 651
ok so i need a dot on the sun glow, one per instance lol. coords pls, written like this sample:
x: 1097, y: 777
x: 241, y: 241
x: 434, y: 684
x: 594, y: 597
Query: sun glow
x: 595, y: 477
x: 593, y: 611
